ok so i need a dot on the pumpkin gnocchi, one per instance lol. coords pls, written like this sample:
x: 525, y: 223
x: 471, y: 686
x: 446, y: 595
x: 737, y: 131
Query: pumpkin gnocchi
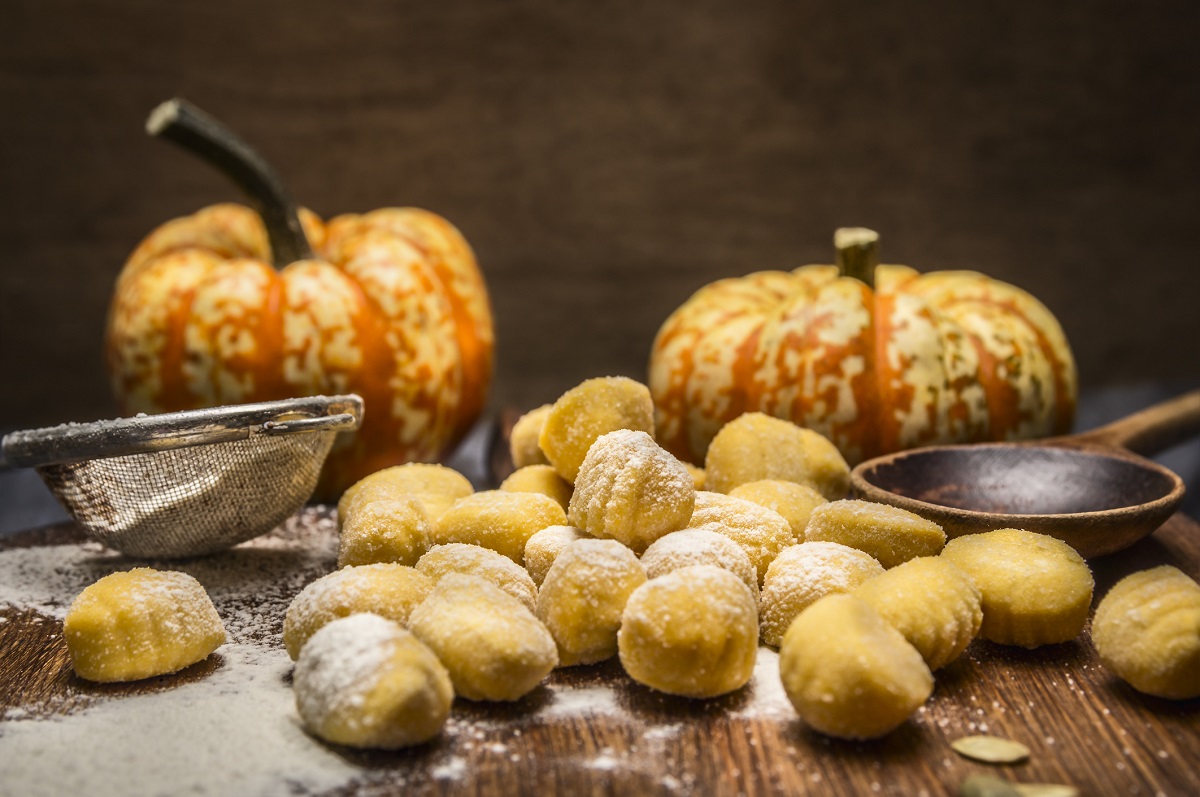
x: 754, y: 446
x: 365, y: 682
x: 499, y: 520
x: 705, y: 545
x: 758, y: 531
x: 1147, y: 631
x: 932, y: 602
x: 848, y: 673
x: 389, y: 590
x: 692, y: 632
x: 140, y: 623
x: 458, y: 557
x: 583, y: 596
x: 544, y: 547
x: 492, y: 646
x: 803, y: 574
x: 1036, y: 589
x: 890, y: 534
x: 385, y: 530
x: 631, y: 490
x: 585, y: 412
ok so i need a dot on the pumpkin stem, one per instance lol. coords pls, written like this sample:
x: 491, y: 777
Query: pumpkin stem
x: 191, y: 128
x: 857, y: 253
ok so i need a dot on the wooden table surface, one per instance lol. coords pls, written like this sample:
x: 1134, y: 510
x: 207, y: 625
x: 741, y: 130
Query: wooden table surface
x: 1083, y: 726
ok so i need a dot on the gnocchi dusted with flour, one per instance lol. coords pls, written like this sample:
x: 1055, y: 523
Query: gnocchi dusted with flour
x: 365, y: 682
x: 140, y: 623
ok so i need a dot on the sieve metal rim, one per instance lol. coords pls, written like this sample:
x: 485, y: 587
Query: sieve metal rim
x: 142, y: 434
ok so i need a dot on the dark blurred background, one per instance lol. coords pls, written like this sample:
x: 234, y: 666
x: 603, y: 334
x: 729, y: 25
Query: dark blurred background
x: 605, y: 160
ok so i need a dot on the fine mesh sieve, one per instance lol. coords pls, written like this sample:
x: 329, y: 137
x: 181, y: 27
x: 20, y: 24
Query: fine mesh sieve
x: 186, y: 483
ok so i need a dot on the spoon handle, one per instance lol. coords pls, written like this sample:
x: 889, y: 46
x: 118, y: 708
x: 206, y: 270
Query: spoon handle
x: 1152, y: 430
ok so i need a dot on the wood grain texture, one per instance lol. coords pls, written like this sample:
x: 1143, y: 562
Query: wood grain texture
x: 607, y: 161
x: 1084, y: 727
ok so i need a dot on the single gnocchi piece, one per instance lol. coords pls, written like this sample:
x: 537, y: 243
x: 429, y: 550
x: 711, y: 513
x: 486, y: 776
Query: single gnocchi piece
x: 389, y: 590
x: 385, y: 530
x: 587, y: 411
x: 803, y: 574
x: 890, y: 534
x: 932, y: 602
x: 541, y: 479
x: 692, y: 632
x: 492, y: 646
x: 140, y: 623
x: 758, y: 531
x: 523, y: 441
x: 435, y: 486
x: 365, y: 682
x: 631, y: 490
x: 706, y: 545
x: 457, y: 557
x: 1147, y: 631
x: 848, y: 673
x: 544, y: 547
x: 754, y: 446
x: 793, y: 501
x: 1036, y: 589
x: 499, y: 520
x: 583, y: 596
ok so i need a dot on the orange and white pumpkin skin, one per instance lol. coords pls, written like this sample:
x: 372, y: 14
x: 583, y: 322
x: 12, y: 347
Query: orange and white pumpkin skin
x: 395, y: 310
x: 944, y: 357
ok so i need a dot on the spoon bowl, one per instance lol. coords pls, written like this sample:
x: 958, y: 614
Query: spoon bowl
x: 1090, y: 490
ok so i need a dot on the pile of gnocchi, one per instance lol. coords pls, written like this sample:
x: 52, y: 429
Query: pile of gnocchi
x: 603, y: 544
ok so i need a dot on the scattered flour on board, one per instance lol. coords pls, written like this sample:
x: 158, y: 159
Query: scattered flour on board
x: 235, y: 728
x: 215, y: 736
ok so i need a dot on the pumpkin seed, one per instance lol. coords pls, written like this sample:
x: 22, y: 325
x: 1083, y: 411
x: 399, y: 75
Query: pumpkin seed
x: 987, y: 786
x: 990, y: 749
x: 1046, y: 790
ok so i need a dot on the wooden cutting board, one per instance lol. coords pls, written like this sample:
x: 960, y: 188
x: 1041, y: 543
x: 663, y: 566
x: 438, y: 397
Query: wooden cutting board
x: 591, y: 730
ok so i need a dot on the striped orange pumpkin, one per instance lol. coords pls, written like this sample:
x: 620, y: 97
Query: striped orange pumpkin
x: 887, y: 360
x: 389, y: 304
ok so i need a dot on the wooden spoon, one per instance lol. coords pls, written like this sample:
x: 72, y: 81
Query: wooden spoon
x: 1091, y: 490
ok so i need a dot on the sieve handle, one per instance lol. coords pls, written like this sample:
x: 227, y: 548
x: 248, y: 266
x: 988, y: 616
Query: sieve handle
x: 327, y: 423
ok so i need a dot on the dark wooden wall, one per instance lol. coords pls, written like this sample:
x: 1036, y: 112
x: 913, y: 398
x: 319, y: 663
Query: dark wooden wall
x: 607, y: 159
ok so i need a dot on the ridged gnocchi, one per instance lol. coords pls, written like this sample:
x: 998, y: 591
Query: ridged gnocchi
x: 803, y: 574
x: 583, y: 596
x: 890, y: 534
x: 1147, y: 631
x: 458, y: 557
x: 705, y: 545
x: 932, y: 602
x: 363, y: 681
x: 848, y: 673
x: 692, y: 632
x: 754, y: 446
x: 499, y: 520
x: 1036, y: 589
x: 758, y: 531
x: 385, y: 530
x: 794, y: 502
x: 631, y: 490
x: 389, y: 590
x: 585, y: 412
x: 140, y: 623
x: 492, y: 646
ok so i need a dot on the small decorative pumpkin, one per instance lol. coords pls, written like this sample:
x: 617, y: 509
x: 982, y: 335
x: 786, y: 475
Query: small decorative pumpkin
x: 877, y: 358
x: 230, y: 305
